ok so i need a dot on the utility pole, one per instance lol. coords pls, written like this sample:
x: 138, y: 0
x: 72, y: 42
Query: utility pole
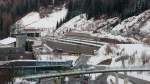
x: 122, y: 58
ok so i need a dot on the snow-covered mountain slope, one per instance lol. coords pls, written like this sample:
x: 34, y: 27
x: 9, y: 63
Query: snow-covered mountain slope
x: 138, y: 54
x: 75, y: 24
x: 98, y: 28
x: 29, y: 19
x: 136, y: 26
x: 81, y: 24
x: 132, y: 29
x: 48, y: 24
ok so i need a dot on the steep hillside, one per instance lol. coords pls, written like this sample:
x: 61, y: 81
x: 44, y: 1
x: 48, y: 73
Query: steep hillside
x: 47, y: 24
x: 137, y: 27
x: 136, y: 55
x: 100, y: 29
x: 130, y: 30
x: 108, y: 28
x: 12, y: 10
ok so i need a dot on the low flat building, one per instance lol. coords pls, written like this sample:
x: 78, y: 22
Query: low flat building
x: 9, y: 49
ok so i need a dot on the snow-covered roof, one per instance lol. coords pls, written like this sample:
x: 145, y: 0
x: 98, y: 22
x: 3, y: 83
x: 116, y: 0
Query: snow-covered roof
x: 7, y: 41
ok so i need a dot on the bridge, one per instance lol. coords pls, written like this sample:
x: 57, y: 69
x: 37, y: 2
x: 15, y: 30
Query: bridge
x: 86, y: 71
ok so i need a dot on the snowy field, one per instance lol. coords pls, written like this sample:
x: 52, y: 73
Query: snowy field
x: 47, y: 24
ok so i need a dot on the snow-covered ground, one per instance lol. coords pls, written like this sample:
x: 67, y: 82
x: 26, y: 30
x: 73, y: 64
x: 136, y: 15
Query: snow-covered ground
x: 102, y: 27
x: 20, y: 81
x: 99, y: 57
x: 131, y: 30
x: 73, y: 24
x: 143, y: 75
x: 46, y: 24
x: 112, y: 80
x: 114, y: 50
x: 29, y: 19
x: 81, y: 24
x: 139, y: 24
x: 139, y: 55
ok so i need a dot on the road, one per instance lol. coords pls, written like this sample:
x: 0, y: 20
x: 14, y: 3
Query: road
x: 72, y: 48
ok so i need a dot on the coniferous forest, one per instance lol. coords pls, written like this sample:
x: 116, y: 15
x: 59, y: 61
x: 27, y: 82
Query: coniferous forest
x: 119, y: 8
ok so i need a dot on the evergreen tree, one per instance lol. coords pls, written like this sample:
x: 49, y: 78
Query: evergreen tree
x: 120, y: 8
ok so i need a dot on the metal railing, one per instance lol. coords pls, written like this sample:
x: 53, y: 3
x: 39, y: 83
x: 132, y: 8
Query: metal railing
x: 86, y: 71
